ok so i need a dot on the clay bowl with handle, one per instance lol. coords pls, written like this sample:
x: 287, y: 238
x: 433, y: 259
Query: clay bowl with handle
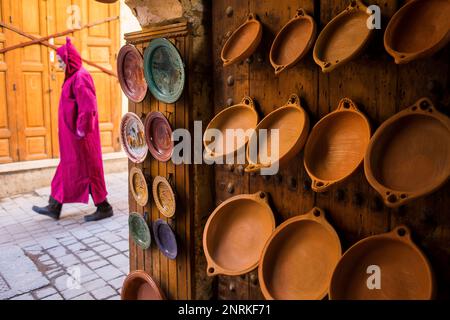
x: 235, y: 234
x: 138, y: 186
x: 388, y: 266
x: 293, y: 41
x: 299, y: 258
x: 409, y: 155
x: 419, y: 29
x: 164, y: 196
x: 132, y: 137
x: 139, y: 285
x: 292, y: 123
x: 139, y: 230
x: 242, y: 116
x: 242, y: 42
x: 130, y: 70
x: 158, y: 135
x: 343, y: 38
x: 336, y: 145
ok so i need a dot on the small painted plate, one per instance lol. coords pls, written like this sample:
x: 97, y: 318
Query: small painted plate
x: 164, y: 70
x: 132, y: 137
x: 158, y: 135
x: 165, y: 239
x: 139, y: 230
x: 138, y: 186
x: 164, y: 196
x: 130, y: 70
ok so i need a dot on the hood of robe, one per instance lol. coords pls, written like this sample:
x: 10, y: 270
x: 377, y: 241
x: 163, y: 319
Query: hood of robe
x: 71, y: 58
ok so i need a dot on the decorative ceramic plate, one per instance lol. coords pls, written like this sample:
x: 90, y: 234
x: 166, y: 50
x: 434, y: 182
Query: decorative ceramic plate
x: 164, y: 196
x: 165, y: 239
x: 138, y: 186
x: 139, y: 285
x: 130, y: 71
x: 158, y: 135
x: 132, y: 137
x: 139, y: 230
x: 164, y: 70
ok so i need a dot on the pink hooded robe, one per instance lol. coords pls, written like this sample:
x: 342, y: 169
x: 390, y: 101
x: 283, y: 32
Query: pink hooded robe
x: 80, y: 170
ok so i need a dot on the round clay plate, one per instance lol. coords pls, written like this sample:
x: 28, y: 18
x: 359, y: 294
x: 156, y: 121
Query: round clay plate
x: 138, y: 186
x: 299, y: 258
x: 164, y: 70
x: 165, y: 239
x: 139, y: 230
x: 403, y: 271
x: 139, y: 285
x: 132, y: 137
x: 235, y: 234
x: 164, y: 196
x: 131, y: 73
x: 158, y: 135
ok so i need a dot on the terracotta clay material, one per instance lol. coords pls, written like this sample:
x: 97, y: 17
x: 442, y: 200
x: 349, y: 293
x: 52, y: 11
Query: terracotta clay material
x: 242, y: 116
x: 242, y: 42
x: 419, y: 29
x: 409, y: 155
x: 132, y: 137
x: 293, y: 41
x: 235, y: 234
x: 405, y: 273
x: 158, y: 135
x: 343, y: 38
x: 299, y: 258
x: 138, y: 186
x: 164, y: 196
x: 139, y: 285
x: 130, y: 71
x: 336, y: 146
x: 293, y: 124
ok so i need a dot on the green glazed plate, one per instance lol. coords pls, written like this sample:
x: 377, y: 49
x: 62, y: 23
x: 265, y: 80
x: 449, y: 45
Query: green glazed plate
x: 139, y: 230
x: 164, y: 70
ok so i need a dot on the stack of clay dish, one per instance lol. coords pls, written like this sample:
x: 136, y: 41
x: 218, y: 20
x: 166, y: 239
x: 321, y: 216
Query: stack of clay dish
x: 139, y: 231
x: 418, y: 29
x: 139, y: 285
x: 130, y: 71
x: 235, y: 234
x: 158, y: 135
x: 388, y: 266
x: 299, y: 258
x: 165, y: 239
x: 336, y: 146
x: 138, y: 186
x: 164, y: 196
x: 409, y: 155
x: 242, y: 116
x: 132, y: 137
x: 292, y: 123
x: 293, y: 41
x: 343, y: 38
x: 164, y: 70
x: 242, y: 42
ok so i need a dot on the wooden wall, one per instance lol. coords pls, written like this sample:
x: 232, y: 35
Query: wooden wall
x: 378, y: 86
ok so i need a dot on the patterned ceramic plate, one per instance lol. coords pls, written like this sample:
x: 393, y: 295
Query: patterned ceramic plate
x: 130, y: 70
x: 164, y: 196
x: 158, y: 135
x: 138, y: 186
x: 139, y: 230
x: 165, y: 239
x: 132, y: 137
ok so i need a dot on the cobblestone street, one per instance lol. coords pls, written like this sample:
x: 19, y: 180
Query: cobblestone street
x: 41, y: 258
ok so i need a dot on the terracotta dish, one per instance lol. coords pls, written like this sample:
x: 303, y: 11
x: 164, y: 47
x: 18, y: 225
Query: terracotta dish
x: 106, y: 1
x: 293, y: 125
x: 409, y: 155
x: 165, y: 239
x: 336, y: 145
x: 418, y: 29
x: 130, y: 71
x: 241, y: 116
x: 293, y: 41
x: 299, y: 258
x: 132, y: 137
x: 158, y: 135
x: 235, y: 234
x: 139, y: 231
x: 405, y: 273
x: 139, y: 285
x: 242, y: 42
x: 343, y: 38
x: 138, y: 186
x: 164, y: 196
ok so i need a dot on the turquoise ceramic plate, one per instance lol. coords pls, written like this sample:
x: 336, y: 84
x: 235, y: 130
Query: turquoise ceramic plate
x: 164, y: 70
x: 139, y: 230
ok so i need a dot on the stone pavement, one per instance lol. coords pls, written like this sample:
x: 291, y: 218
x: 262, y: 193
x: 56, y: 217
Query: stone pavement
x: 41, y: 258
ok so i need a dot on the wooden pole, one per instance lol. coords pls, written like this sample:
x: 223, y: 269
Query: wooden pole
x: 45, y: 43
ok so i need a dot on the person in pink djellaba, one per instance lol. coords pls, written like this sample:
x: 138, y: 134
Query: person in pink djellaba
x: 80, y: 171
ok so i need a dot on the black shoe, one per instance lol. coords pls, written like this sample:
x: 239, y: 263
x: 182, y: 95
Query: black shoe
x: 53, y: 210
x: 104, y: 210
